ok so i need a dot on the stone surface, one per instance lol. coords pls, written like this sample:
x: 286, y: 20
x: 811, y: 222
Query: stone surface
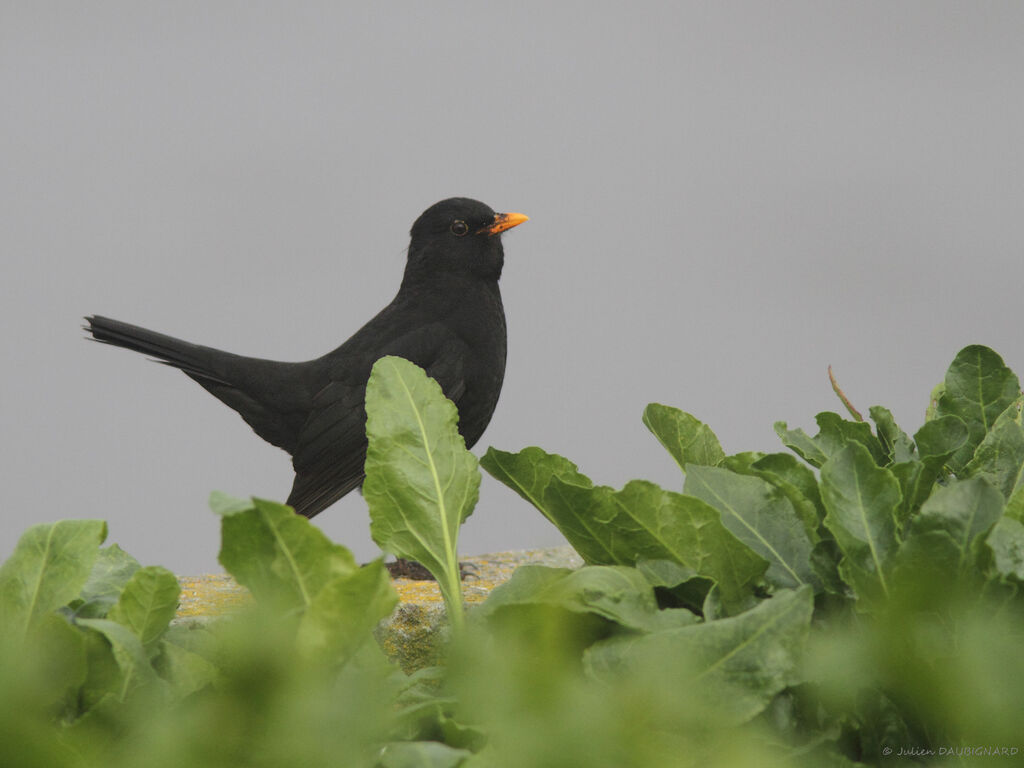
x: 410, y: 636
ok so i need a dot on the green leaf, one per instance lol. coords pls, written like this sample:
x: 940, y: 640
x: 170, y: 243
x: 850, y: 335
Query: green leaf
x: 653, y: 523
x: 129, y: 653
x: 861, y: 499
x: 345, y: 612
x: 689, y: 440
x: 642, y: 521
x: 616, y: 593
x: 222, y: 504
x: 927, y: 566
x: 999, y: 458
x: 148, y: 603
x: 54, y: 658
x: 665, y: 573
x: 1007, y: 544
x: 761, y: 516
x: 834, y: 433
x: 739, y: 664
x: 940, y: 438
x: 561, y: 493
x: 421, y: 482
x: 964, y: 510
x: 111, y: 571
x: 280, y: 556
x: 1015, y: 506
x: 825, y: 559
x: 422, y: 754
x: 181, y: 663
x: 895, y: 442
x: 802, y: 444
x: 936, y: 442
x: 679, y: 585
x: 46, y: 571
x: 797, y: 481
x: 978, y: 388
x: 790, y: 476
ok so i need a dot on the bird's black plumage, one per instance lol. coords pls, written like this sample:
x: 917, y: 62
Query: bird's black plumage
x: 447, y: 318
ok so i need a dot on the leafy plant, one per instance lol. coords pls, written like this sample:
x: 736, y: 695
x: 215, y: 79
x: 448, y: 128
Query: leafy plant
x: 897, y: 538
x: 812, y: 608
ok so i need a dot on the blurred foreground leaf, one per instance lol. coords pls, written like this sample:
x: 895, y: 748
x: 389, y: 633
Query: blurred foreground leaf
x: 47, y: 570
x: 280, y: 556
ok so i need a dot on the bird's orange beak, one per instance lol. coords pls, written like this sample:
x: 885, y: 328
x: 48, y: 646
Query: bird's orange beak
x: 503, y: 221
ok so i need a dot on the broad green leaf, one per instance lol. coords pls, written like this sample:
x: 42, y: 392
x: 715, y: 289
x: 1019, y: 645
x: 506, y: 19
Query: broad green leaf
x: 280, y: 556
x: 529, y: 473
x: 834, y: 433
x: 689, y: 440
x: 786, y: 473
x: 345, y: 612
x: 46, y: 571
x: 861, y: 499
x: 936, y: 442
x: 562, y: 494
x: 761, y: 516
x: 129, y: 653
x: 739, y: 664
x: 110, y: 572
x: 1007, y: 544
x: 642, y: 521
x: 964, y: 510
x: 999, y: 458
x: 616, y: 593
x: 653, y: 523
x: 895, y: 442
x: 421, y: 482
x: 978, y: 388
x: 148, y: 603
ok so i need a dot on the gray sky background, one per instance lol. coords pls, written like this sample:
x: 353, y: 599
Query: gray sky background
x: 724, y: 198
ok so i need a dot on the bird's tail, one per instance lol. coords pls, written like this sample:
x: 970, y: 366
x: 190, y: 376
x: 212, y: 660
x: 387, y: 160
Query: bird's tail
x: 195, y: 360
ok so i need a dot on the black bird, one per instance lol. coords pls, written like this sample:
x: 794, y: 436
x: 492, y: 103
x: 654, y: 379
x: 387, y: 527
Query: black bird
x: 447, y: 318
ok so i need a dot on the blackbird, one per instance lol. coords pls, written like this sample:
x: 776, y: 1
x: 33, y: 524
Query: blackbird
x: 447, y: 318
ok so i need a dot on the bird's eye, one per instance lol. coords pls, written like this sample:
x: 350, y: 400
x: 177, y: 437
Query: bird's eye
x: 459, y: 228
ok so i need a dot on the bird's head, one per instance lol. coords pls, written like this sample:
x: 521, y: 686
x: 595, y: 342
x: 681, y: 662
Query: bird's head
x: 460, y: 235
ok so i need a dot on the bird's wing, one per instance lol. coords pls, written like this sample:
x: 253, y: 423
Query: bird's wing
x: 331, y: 448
